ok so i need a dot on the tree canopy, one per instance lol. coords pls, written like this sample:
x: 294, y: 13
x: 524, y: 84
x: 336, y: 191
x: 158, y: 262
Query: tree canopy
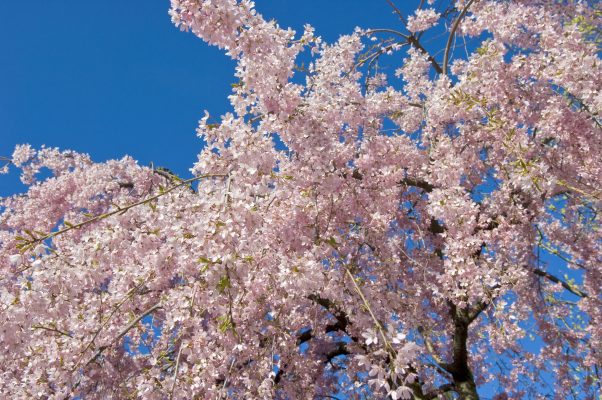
x: 347, y: 233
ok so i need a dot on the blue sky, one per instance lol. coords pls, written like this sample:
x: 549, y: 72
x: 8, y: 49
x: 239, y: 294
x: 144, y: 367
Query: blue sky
x: 111, y: 78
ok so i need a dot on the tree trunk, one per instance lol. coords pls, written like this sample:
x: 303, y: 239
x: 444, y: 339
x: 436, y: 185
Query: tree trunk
x: 462, y: 375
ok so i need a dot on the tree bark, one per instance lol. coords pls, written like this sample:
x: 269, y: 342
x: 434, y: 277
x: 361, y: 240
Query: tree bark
x: 461, y: 373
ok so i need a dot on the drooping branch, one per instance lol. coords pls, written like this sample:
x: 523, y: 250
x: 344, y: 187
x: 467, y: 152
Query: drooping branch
x: 440, y: 364
x: 555, y: 279
x: 452, y: 33
x: 387, y: 30
x: 123, y: 332
x: 51, y: 329
x: 28, y: 243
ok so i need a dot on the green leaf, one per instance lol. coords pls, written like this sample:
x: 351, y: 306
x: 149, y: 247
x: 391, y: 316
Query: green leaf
x: 223, y: 284
x: 482, y: 51
x: 224, y: 323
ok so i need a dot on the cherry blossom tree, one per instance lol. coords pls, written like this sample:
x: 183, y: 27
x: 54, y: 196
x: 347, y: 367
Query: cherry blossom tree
x: 347, y: 233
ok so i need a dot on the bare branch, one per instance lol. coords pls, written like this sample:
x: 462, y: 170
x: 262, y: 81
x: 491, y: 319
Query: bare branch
x: 384, y: 30
x: 398, y: 12
x: 452, y: 33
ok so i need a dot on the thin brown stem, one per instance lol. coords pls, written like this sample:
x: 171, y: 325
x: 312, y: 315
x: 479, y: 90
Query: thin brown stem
x: 50, y: 329
x: 175, y: 374
x: 385, y: 30
x: 123, y: 332
x: 398, y: 12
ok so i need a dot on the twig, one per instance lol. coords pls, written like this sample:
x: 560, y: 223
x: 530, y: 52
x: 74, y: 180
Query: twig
x: 367, y: 305
x: 175, y: 374
x: 123, y: 332
x: 441, y: 365
x: 227, y: 376
x: 127, y: 296
x: 398, y: 12
x: 46, y: 328
x: 385, y: 30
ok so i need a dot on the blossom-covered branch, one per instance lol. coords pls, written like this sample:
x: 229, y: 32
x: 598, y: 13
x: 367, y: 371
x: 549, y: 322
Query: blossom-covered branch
x: 424, y: 233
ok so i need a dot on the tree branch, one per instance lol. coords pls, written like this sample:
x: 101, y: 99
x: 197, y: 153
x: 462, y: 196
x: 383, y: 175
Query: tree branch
x: 452, y: 34
x: 50, y: 329
x: 175, y: 374
x: 386, y: 30
x: 554, y: 279
x: 441, y: 365
x: 119, y: 210
x: 123, y: 332
x: 398, y: 12
x: 424, y: 185
x: 413, y: 40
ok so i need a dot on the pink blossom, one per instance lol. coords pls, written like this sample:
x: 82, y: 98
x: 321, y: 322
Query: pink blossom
x: 22, y: 154
x: 416, y: 231
x: 423, y: 19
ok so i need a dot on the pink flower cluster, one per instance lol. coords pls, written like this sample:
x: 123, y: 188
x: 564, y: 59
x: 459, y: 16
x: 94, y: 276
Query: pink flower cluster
x: 422, y: 20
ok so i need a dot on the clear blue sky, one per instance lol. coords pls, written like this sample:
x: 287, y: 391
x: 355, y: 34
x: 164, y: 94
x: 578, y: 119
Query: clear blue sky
x: 111, y: 78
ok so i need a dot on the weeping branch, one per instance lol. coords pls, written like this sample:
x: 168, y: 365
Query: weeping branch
x: 123, y: 332
x: 29, y: 243
x: 452, y: 33
x: 564, y: 284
